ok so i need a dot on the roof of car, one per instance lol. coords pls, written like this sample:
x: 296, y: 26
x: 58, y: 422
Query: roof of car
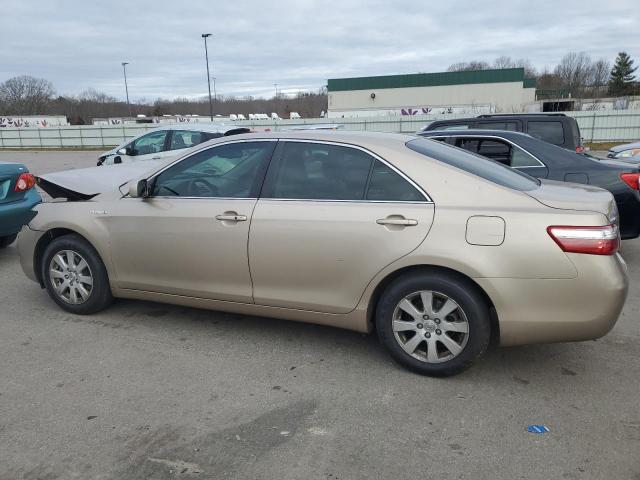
x: 473, y: 132
x: 340, y: 136
x: 505, y: 116
x: 201, y: 127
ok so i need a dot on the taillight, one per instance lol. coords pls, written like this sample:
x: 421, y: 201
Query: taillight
x: 631, y: 179
x: 591, y: 240
x: 579, y: 149
x: 25, y: 182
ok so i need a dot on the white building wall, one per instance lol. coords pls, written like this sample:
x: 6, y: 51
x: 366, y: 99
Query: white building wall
x: 503, y: 97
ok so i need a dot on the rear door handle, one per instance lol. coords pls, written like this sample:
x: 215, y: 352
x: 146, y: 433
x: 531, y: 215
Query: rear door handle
x: 155, y: 158
x: 406, y: 222
x: 231, y: 218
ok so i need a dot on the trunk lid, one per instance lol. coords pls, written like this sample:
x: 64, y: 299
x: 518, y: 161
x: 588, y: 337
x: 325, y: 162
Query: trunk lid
x: 574, y: 196
x: 9, y: 173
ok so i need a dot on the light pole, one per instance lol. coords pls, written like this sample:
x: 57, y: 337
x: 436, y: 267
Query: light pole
x: 275, y: 85
x: 126, y: 87
x: 206, y: 55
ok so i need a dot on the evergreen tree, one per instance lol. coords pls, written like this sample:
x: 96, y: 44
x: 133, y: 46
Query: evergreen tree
x: 622, y: 75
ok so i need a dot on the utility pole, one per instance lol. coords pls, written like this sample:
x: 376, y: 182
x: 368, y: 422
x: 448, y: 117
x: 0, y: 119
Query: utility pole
x: 206, y: 54
x: 126, y: 87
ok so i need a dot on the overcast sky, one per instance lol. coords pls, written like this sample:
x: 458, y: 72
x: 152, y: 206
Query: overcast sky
x: 298, y: 44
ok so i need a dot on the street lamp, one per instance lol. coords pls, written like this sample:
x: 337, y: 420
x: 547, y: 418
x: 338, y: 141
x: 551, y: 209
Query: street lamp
x: 275, y: 85
x: 126, y: 87
x: 206, y: 54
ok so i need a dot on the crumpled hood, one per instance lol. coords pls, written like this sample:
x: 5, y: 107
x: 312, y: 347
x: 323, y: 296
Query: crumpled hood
x: 86, y: 183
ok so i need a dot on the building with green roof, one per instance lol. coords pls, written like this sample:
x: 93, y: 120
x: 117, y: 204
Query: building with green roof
x: 473, y: 92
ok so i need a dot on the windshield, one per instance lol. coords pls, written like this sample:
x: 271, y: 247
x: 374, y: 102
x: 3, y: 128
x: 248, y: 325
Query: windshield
x: 476, y: 164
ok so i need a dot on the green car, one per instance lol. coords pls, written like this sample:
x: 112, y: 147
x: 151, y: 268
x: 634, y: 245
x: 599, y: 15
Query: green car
x: 17, y: 199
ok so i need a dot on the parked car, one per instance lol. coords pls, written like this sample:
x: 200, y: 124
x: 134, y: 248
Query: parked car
x: 17, y: 198
x: 543, y: 160
x: 626, y: 151
x: 166, y: 142
x: 440, y: 251
x: 555, y: 128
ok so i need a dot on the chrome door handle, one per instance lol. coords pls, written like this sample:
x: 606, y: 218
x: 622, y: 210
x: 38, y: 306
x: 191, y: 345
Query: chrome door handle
x: 407, y: 222
x: 231, y: 218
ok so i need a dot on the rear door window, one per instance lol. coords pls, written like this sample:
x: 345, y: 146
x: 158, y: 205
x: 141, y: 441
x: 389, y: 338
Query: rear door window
x: 185, y: 139
x: 474, y: 164
x: 316, y: 171
x: 549, y: 131
x: 388, y: 185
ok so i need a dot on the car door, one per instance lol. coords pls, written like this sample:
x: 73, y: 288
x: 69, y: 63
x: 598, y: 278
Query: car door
x: 151, y: 146
x: 181, y: 139
x: 189, y: 236
x: 329, y: 218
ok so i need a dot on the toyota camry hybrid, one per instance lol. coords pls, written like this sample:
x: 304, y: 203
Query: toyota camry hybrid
x: 438, y: 253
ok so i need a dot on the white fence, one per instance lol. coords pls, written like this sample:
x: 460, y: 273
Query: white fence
x: 596, y: 126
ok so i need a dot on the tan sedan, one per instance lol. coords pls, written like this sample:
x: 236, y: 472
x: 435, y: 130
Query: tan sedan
x: 440, y: 251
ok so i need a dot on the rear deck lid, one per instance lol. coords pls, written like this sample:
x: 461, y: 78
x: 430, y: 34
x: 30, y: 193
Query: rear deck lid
x: 574, y: 196
x: 9, y: 173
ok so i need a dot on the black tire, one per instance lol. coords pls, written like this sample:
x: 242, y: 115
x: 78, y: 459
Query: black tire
x: 8, y: 240
x: 472, y: 307
x: 99, y: 296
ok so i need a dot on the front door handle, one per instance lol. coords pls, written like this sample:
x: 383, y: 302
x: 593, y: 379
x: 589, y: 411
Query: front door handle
x: 405, y: 222
x: 231, y: 217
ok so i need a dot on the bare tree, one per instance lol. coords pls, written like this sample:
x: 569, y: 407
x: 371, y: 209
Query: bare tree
x: 25, y: 95
x: 467, y: 66
x: 575, y: 70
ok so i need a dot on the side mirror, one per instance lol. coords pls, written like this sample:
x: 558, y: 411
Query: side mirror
x: 139, y: 189
x: 122, y: 151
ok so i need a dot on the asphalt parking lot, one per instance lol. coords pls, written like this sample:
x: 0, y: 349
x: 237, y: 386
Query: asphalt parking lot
x: 147, y: 390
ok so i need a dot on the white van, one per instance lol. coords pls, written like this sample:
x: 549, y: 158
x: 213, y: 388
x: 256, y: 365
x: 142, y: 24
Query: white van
x: 294, y: 115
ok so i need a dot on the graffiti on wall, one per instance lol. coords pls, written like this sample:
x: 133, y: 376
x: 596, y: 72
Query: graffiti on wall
x: 32, y: 122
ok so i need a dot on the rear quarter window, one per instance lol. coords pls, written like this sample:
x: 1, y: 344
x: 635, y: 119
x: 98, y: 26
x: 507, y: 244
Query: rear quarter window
x: 475, y: 164
x: 549, y: 131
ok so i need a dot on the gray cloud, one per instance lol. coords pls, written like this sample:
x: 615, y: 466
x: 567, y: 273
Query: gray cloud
x: 297, y: 44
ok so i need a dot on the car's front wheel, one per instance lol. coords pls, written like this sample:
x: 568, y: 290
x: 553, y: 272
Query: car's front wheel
x: 75, y: 276
x: 433, y: 323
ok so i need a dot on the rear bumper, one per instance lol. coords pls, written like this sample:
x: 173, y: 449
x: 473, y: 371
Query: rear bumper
x: 16, y: 214
x: 568, y: 310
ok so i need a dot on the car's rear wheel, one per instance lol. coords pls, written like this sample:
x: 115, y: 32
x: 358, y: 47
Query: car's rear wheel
x: 8, y: 240
x: 74, y: 275
x: 434, y: 324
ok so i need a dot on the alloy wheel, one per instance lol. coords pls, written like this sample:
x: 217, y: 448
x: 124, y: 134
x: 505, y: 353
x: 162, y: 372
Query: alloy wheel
x: 430, y: 326
x: 71, y: 277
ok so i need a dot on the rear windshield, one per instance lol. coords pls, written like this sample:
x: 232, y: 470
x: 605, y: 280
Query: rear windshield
x: 477, y: 165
